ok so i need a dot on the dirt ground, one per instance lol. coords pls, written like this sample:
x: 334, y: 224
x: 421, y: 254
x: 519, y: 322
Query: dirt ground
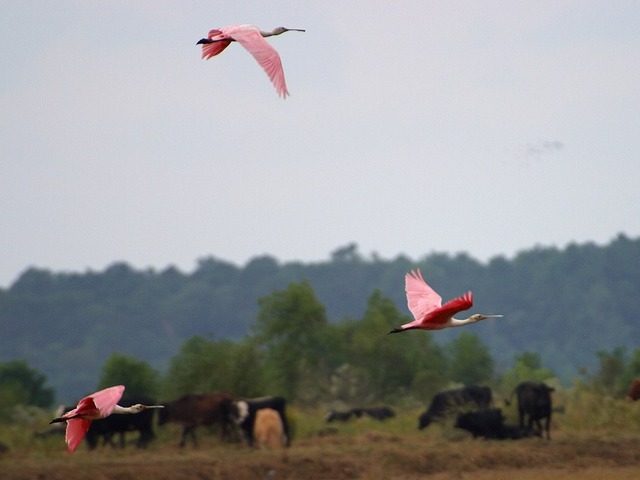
x: 367, y: 457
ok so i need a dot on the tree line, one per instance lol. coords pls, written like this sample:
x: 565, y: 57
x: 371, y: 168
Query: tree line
x: 567, y: 306
x: 293, y: 351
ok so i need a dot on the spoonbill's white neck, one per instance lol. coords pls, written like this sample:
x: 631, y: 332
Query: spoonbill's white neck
x: 456, y: 322
x: 279, y: 30
x: 137, y: 408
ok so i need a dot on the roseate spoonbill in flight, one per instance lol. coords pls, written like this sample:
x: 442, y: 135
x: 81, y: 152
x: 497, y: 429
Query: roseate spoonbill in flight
x: 251, y: 38
x: 426, y: 306
x: 92, y: 407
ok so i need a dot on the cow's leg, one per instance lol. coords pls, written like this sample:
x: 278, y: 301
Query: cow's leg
x: 226, y: 430
x: 108, y: 440
x: 547, y: 426
x: 145, y: 438
x: 539, y: 425
x: 530, y: 422
x: 185, y: 431
x: 192, y: 431
x: 521, y: 416
x: 285, y: 427
x: 247, y: 429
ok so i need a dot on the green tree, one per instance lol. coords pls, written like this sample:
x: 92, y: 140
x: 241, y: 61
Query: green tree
x: 470, y: 360
x: 290, y: 329
x: 139, y: 378
x: 22, y: 385
x: 527, y: 366
x: 394, y: 364
x: 207, y: 365
x: 611, y: 369
x: 631, y: 371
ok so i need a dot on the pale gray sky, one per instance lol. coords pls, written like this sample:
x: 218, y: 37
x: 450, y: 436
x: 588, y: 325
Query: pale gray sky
x: 412, y: 127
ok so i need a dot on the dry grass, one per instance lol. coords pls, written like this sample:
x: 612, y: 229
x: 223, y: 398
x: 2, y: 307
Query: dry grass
x: 363, y: 449
x: 365, y: 456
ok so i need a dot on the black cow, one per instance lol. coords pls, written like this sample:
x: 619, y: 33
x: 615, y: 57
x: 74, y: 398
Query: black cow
x: 379, y: 413
x: 121, y: 424
x: 334, y: 416
x: 192, y: 410
x: 534, y: 404
x: 450, y: 400
x: 244, y: 414
x: 489, y: 423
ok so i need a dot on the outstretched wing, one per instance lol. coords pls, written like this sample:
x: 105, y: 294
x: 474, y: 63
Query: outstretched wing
x: 250, y: 38
x: 106, y: 400
x: 76, y: 430
x: 442, y: 314
x: 421, y: 298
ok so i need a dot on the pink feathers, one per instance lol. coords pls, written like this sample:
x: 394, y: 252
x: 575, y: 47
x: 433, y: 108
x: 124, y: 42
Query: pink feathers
x: 97, y: 405
x: 426, y: 306
x: 251, y: 38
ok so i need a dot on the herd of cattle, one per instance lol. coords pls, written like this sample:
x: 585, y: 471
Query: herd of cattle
x: 263, y: 421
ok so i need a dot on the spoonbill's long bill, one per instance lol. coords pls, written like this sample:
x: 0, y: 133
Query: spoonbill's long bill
x: 251, y: 38
x: 92, y: 407
x: 426, y: 306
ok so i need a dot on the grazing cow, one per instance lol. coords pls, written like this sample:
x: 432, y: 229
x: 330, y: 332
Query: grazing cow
x: 244, y: 414
x: 489, y: 423
x: 192, y: 410
x: 334, y: 416
x: 379, y: 413
x: 268, y: 430
x: 120, y: 424
x: 534, y: 404
x: 634, y: 391
x: 443, y: 402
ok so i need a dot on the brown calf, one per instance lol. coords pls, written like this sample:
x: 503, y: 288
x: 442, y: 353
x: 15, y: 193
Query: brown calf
x: 268, y: 430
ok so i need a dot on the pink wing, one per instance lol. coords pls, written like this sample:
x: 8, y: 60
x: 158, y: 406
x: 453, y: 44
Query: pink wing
x: 441, y: 315
x: 421, y: 298
x: 94, y: 406
x: 106, y: 400
x: 212, y: 49
x: 76, y: 430
x: 250, y: 38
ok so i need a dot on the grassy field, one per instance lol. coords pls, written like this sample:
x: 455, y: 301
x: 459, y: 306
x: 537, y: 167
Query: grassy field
x: 605, y: 443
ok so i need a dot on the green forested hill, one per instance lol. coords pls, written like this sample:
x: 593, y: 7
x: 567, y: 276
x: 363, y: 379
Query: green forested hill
x: 564, y: 304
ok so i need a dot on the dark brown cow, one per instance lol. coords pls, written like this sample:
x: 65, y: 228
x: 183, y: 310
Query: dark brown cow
x: 634, y: 391
x: 192, y: 410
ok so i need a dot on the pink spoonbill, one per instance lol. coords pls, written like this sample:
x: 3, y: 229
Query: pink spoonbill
x: 251, y: 38
x: 93, y: 407
x: 426, y: 306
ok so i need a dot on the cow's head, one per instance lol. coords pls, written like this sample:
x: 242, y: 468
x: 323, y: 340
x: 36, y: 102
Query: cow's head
x: 240, y: 411
x: 424, y: 420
